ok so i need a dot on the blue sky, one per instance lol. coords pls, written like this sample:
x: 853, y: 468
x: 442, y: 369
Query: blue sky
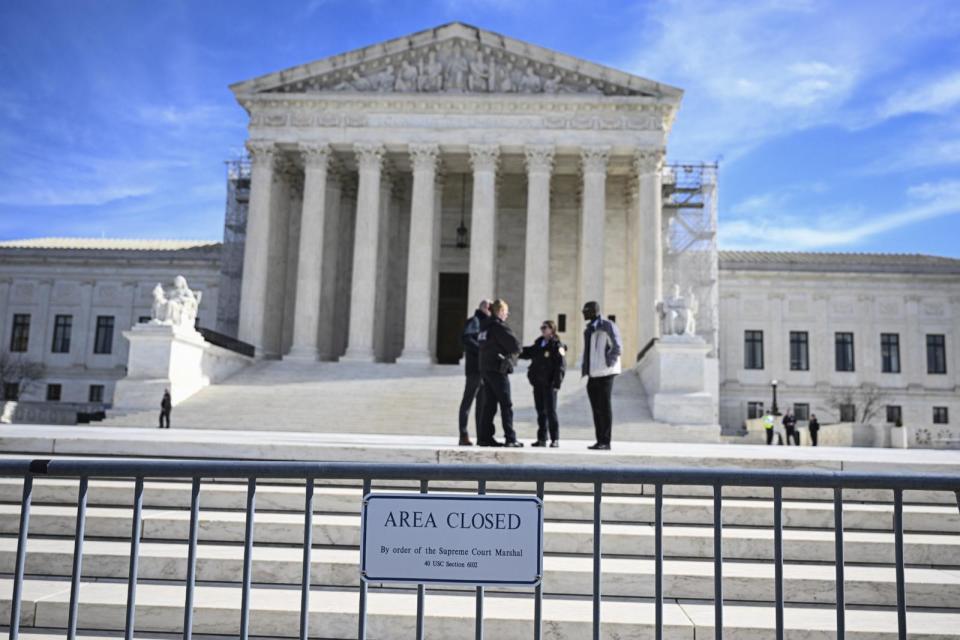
x: 837, y: 124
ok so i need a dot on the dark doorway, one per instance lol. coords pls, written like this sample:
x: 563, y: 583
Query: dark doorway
x: 451, y: 316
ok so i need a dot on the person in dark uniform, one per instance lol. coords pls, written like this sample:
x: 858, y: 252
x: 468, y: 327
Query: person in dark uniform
x: 601, y: 364
x: 790, y: 427
x: 499, y: 349
x: 165, y: 406
x: 547, y: 368
x: 473, y: 385
x: 814, y: 426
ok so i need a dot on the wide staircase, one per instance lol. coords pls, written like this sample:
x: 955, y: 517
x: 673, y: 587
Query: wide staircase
x: 932, y: 553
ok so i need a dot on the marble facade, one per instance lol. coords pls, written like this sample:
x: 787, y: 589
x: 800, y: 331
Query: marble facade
x: 372, y: 154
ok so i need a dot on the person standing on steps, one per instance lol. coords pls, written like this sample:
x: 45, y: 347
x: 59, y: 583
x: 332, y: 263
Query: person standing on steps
x: 547, y: 368
x: 601, y: 364
x: 165, y: 407
x: 499, y: 349
x: 790, y: 427
x: 473, y: 385
x: 814, y: 426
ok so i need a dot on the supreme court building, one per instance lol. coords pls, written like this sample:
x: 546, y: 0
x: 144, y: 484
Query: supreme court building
x: 393, y: 187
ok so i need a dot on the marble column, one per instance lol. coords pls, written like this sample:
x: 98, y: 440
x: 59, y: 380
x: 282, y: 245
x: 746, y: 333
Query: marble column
x: 306, y: 316
x: 592, y: 224
x: 421, y: 257
x: 253, y: 290
x: 649, y: 165
x: 363, y: 294
x: 483, y: 223
x: 536, y: 270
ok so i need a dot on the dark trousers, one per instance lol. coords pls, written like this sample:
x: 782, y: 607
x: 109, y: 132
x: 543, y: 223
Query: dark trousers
x: 769, y: 436
x: 164, y: 417
x: 600, y: 390
x: 472, y: 390
x: 792, y: 436
x: 496, y: 386
x: 545, y: 399
x: 813, y: 436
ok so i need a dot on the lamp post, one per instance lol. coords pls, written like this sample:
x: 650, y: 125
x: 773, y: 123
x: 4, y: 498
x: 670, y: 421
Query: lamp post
x: 774, y: 409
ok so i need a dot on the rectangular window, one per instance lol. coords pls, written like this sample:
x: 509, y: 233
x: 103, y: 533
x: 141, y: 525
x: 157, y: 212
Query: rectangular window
x: 11, y: 391
x: 890, y: 352
x: 561, y: 323
x: 936, y: 353
x: 103, y: 339
x: 844, y: 351
x: 20, y: 333
x: 62, y: 326
x: 941, y: 415
x: 799, y: 351
x: 848, y: 413
x: 801, y: 411
x: 754, y: 410
x: 894, y: 414
x: 53, y: 392
x: 144, y: 319
x: 96, y: 393
x: 753, y: 349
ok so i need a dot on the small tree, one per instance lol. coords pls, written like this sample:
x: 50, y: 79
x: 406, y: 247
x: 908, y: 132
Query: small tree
x: 18, y: 370
x: 867, y: 401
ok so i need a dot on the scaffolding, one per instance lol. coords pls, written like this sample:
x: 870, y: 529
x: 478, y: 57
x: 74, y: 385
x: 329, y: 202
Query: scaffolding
x: 690, y: 240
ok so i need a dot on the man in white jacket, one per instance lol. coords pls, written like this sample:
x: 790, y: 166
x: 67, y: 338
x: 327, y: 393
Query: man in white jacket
x: 601, y: 364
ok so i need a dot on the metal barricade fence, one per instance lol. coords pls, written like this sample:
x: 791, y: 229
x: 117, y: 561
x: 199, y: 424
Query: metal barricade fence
x: 535, y: 474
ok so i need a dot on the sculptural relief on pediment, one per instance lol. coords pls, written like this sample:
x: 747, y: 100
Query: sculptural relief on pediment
x: 456, y: 66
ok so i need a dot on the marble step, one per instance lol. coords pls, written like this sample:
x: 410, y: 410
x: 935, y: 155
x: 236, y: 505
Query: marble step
x: 450, y: 616
x: 686, y: 541
x: 333, y: 499
x: 743, y: 581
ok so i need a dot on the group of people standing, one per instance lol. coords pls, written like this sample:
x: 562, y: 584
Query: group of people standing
x: 791, y: 431
x: 491, y: 353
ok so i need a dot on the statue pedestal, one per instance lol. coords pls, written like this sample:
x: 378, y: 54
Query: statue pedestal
x: 681, y: 382
x: 177, y: 358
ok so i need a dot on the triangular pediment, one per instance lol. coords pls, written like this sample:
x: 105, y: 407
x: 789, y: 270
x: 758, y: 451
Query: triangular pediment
x: 456, y: 58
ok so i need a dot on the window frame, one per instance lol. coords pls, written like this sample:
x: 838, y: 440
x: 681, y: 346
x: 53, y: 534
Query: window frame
x: 894, y: 414
x: 936, y: 359
x: 753, y: 349
x: 54, y: 392
x: 941, y: 411
x: 801, y: 409
x: 62, y: 333
x: 799, y: 343
x: 103, y: 335
x: 10, y: 397
x: 20, y: 333
x: 752, y: 405
x: 839, y: 345
x: 90, y: 393
x: 847, y: 410
x: 890, y: 353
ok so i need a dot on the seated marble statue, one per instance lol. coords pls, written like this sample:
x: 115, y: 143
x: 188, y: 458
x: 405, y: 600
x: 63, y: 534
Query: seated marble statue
x: 177, y: 306
x: 678, y: 314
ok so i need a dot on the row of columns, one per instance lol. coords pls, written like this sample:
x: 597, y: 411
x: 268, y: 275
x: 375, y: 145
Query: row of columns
x: 646, y: 266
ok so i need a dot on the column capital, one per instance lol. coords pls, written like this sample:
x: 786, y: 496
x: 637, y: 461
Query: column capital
x: 648, y: 161
x: 593, y: 158
x: 262, y: 152
x: 369, y: 155
x: 424, y: 157
x: 484, y: 157
x: 539, y: 158
x: 316, y: 155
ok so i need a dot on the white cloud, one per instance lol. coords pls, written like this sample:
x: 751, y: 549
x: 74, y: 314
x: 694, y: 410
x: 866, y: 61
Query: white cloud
x: 936, y: 96
x: 754, y: 71
x: 843, y: 228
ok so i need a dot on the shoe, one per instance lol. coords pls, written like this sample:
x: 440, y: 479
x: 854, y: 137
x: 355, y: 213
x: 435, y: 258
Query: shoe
x: 491, y: 443
x: 513, y: 444
x: 538, y: 443
x: 599, y: 447
x: 554, y: 444
x: 465, y: 441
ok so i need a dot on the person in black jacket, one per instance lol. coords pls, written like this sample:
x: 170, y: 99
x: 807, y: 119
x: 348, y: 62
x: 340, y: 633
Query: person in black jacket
x: 473, y: 386
x: 547, y: 368
x: 790, y: 426
x: 499, y: 349
x: 166, y: 405
x: 814, y: 426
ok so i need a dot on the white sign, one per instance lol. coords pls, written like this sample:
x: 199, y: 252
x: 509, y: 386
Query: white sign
x: 453, y: 539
